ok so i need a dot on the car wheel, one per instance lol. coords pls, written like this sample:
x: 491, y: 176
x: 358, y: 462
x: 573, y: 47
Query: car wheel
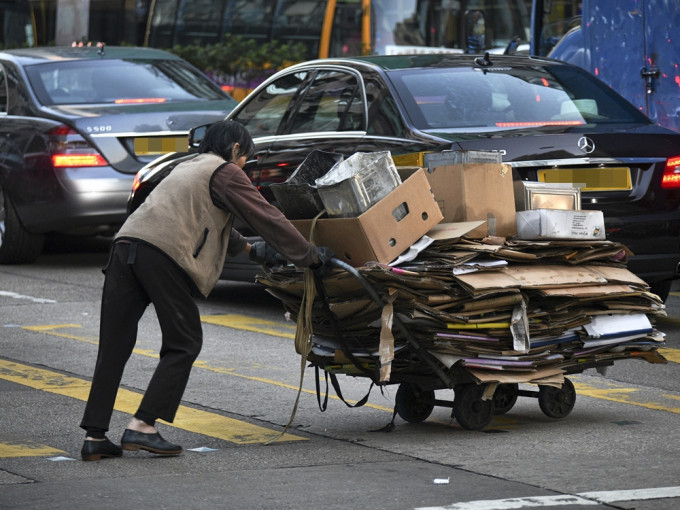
x: 17, y: 245
x: 661, y: 289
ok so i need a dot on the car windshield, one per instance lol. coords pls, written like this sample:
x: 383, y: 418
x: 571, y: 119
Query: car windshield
x: 119, y: 82
x: 497, y: 98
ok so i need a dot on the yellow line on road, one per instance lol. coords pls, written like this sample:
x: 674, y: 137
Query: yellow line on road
x: 26, y: 449
x: 232, y: 321
x: 672, y: 355
x: 615, y: 392
x: 193, y: 420
x: 603, y: 390
x: 251, y: 324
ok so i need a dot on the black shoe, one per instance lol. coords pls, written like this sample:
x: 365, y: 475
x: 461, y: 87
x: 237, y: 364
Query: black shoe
x: 96, y: 450
x: 154, y: 443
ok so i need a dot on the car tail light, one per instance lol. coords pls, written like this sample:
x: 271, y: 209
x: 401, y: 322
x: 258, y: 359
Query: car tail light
x: 671, y: 175
x: 136, y: 182
x: 69, y: 149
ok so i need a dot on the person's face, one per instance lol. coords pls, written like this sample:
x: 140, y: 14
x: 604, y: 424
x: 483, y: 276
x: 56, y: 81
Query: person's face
x: 240, y: 161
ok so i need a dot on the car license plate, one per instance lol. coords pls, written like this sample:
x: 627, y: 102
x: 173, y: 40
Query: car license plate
x: 592, y: 179
x: 150, y: 146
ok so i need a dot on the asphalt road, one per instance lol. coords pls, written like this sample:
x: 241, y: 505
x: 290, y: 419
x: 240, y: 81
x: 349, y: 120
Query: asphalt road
x: 617, y: 449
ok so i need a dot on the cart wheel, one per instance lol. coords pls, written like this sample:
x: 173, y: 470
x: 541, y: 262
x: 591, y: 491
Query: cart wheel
x: 413, y: 404
x: 557, y: 403
x: 469, y: 409
x: 504, y: 397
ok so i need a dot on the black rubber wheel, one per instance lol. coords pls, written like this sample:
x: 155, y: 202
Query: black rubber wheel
x: 469, y: 409
x: 413, y: 404
x: 17, y: 245
x: 557, y: 402
x: 504, y: 398
x: 661, y: 289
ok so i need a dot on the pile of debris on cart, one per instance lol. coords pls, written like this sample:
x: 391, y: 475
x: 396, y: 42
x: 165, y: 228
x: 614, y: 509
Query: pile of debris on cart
x: 479, y: 315
x: 490, y: 314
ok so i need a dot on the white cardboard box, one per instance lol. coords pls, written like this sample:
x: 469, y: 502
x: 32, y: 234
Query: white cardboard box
x: 560, y: 224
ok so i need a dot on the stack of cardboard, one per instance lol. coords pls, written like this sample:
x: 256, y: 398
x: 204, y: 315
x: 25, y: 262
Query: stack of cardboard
x: 478, y: 301
x: 495, y: 310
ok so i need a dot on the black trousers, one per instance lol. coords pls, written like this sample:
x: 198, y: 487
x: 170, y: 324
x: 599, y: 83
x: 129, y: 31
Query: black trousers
x: 136, y: 275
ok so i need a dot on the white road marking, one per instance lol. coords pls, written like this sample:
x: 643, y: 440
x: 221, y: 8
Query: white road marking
x: 583, y: 498
x: 21, y: 296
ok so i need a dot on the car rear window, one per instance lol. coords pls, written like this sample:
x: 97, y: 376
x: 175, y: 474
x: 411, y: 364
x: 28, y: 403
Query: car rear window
x: 509, y: 98
x: 120, y: 82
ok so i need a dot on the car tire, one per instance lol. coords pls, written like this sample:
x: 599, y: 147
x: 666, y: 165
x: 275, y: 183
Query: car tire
x: 661, y: 289
x: 17, y: 245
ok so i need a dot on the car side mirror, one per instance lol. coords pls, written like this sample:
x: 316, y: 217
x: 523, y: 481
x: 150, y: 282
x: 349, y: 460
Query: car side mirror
x: 196, y: 135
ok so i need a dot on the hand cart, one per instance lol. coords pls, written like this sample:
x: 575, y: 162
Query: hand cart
x: 474, y: 404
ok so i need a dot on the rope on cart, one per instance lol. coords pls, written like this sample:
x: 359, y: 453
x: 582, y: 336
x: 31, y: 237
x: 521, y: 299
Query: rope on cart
x: 303, y: 332
x: 304, y: 337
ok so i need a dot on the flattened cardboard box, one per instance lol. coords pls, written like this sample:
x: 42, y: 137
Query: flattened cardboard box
x: 539, y: 224
x: 476, y: 191
x: 378, y: 234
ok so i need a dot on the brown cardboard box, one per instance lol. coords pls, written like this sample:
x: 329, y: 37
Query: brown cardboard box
x: 377, y: 235
x: 476, y: 191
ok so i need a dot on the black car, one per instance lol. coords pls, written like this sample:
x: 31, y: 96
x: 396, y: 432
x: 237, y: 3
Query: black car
x: 77, y: 123
x: 551, y: 121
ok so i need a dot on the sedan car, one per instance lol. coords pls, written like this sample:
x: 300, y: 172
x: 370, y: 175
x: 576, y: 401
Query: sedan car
x: 76, y: 124
x: 551, y: 121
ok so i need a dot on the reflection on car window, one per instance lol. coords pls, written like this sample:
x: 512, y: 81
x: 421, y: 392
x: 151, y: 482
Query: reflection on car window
x: 332, y: 103
x: 120, y: 81
x: 383, y: 115
x: 263, y: 115
x: 3, y: 91
x: 503, y: 98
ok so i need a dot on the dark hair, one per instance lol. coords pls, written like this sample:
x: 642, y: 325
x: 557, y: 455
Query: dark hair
x: 221, y: 137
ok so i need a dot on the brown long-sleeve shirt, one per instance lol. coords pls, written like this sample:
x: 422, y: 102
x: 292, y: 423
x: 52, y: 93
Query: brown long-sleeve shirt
x: 232, y: 190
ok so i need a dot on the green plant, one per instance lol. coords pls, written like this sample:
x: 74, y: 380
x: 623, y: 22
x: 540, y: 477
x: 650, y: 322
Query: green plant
x: 241, y: 61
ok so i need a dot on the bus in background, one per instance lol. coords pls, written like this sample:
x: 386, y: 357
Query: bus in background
x: 336, y: 28
x: 631, y: 45
x: 18, y: 27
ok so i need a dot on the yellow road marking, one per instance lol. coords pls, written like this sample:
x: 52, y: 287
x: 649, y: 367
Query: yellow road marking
x: 672, y: 355
x: 614, y: 392
x: 193, y: 420
x: 604, y: 390
x: 251, y: 324
x: 227, y: 321
x: 26, y: 449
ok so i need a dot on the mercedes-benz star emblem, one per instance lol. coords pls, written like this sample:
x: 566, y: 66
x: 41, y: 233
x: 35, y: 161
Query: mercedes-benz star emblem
x: 586, y: 145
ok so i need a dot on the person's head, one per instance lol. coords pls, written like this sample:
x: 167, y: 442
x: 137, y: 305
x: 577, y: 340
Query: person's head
x: 229, y: 140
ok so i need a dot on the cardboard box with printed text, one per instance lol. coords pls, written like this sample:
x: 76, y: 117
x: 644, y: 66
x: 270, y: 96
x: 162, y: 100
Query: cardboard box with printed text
x: 385, y: 230
x: 537, y: 224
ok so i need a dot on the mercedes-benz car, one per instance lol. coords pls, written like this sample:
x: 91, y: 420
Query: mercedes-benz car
x: 77, y: 123
x: 551, y: 121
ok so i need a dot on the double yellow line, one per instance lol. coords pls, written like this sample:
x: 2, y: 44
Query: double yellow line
x: 240, y: 432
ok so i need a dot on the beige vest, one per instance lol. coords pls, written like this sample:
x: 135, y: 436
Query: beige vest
x: 180, y: 219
